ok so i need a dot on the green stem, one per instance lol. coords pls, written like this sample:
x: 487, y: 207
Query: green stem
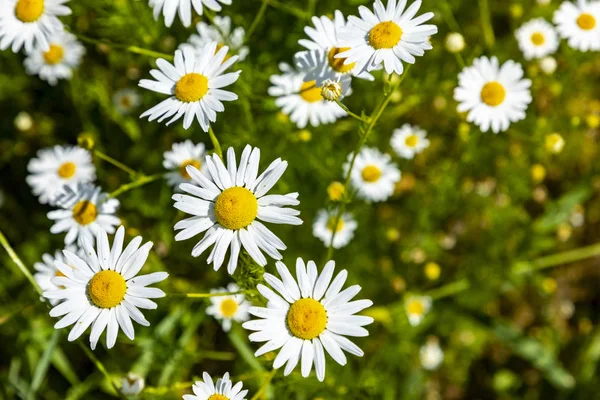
x: 203, y: 295
x: 259, y: 16
x: 114, y: 162
x: 19, y: 263
x: 449, y: 290
x: 101, y: 368
x: 449, y: 17
x: 42, y: 365
x: 141, y: 181
x: 554, y: 260
x: 244, y: 349
x: 289, y: 9
x: 265, y: 385
x: 131, y: 49
x: 215, y: 142
x: 460, y: 60
x: 350, y: 113
x: 486, y: 23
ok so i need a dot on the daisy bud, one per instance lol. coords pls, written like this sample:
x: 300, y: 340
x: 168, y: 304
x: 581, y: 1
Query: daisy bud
x: 132, y: 384
x: 335, y: 190
x: 548, y: 65
x: 85, y: 141
x: 455, y: 42
x: 23, y: 121
x: 432, y: 271
x: 538, y: 173
x: 554, y: 143
x: 331, y: 90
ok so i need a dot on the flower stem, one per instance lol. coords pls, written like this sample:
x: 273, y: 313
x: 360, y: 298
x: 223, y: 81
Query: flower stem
x: 244, y: 349
x: 19, y: 263
x: 141, y: 181
x: 131, y: 49
x: 256, y: 21
x: 101, y: 368
x: 265, y: 385
x: 554, y: 260
x: 215, y: 142
x: 449, y: 290
x: 114, y: 162
x: 486, y: 23
x: 350, y: 113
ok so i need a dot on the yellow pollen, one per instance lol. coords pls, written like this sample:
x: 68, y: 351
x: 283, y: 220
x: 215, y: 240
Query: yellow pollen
x: 84, y: 212
x: 331, y: 224
x: 537, y: 39
x: 338, y: 63
x: 54, y: 55
x: 310, y: 92
x: 415, y: 307
x: 107, y: 289
x: 236, y: 208
x: 307, y: 319
x: 493, y: 94
x: 229, y: 307
x: 218, y: 397
x: 58, y: 273
x: 191, y: 87
x: 411, y: 140
x: 371, y: 173
x: 183, y: 172
x: 385, y: 35
x: 29, y: 10
x: 586, y: 21
x: 66, y: 170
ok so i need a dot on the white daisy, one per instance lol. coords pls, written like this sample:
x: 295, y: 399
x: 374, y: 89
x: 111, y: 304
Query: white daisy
x: 388, y: 36
x: 84, y: 212
x: 194, y: 84
x: 221, y: 33
x: 409, y: 141
x: 537, y: 38
x: 323, y: 228
x: 373, y: 175
x: 184, y: 8
x: 132, y: 384
x: 228, y: 308
x: 320, y: 60
x: 125, y: 100
x: 179, y: 157
x: 57, y: 166
x: 431, y: 354
x: 579, y: 24
x: 46, y: 271
x: 224, y: 389
x: 306, y: 316
x: 29, y: 22
x: 228, y: 203
x: 303, y: 101
x: 58, y: 62
x: 103, y: 291
x: 416, y: 308
x: 493, y: 95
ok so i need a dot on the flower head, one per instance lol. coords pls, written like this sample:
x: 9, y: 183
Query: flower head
x: 580, y: 24
x: 224, y: 389
x: 228, y: 308
x: 409, y: 141
x: 373, y: 174
x: 221, y: 33
x: 537, y: 38
x: 170, y: 8
x: 325, y: 225
x: 179, y: 157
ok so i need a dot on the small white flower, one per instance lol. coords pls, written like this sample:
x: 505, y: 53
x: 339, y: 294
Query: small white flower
x: 132, y: 384
x: 579, y: 24
x: 221, y: 33
x: 416, y: 308
x: 179, y: 157
x: 431, y: 354
x: 455, y: 42
x: 331, y: 90
x: 324, y: 224
x: 228, y: 308
x: 537, y: 38
x: 373, y: 175
x: 224, y: 389
x: 548, y: 65
x: 46, y: 271
x: 125, y: 100
x: 184, y: 8
x: 409, y: 140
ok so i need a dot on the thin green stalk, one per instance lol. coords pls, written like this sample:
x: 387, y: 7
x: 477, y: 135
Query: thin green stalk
x: 562, y: 258
x: 264, y: 386
x: 449, y: 290
x: 215, y: 142
x: 259, y: 16
x: 114, y: 162
x: 486, y: 23
x: 203, y: 295
x: 350, y: 113
x: 19, y: 263
x: 131, y: 49
x: 289, y: 9
x: 101, y: 368
x: 42, y: 366
x: 459, y: 59
x: 141, y: 181
x: 244, y: 349
x: 449, y: 16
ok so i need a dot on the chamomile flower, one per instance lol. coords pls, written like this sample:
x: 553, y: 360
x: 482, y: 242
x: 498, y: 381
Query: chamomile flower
x: 46, y: 271
x: 126, y: 100
x: 30, y: 22
x: 132, y: 384
x: 409, y: 141
x: 195, y: 85
x: 302, y: 101
x: 179, y: 157
x: 221, y: 33
x: 103, y: 291
x: 84, y: 212
x: 416, y: 308
x: 387, y: 36
x: 184, y: 8
x: 57, y: 166
x: 493, y: 95
x: 306, y: 316
x: 228, y: 308
x: 537, y: 38
x: 228, y: 204
x: 431, y: 354
x: 224, y: 389
x: 58, y: 62
x: 373, y: 175
x: 325, y: 225
x: 579, y: 24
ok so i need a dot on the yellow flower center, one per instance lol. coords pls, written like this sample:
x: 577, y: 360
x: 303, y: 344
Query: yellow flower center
x: 29, y: 10
x: 586, y: 21
x: 338, y: 63
x: 236, y: 208
x: 335, y: 191
x: 126, y: 101
x: 219, y: 47
x: 385, y: 35
x: 191, y: 87
x: 307, y: 318
x: 415, y: 307
x: 84, y: 212
x: 493, y: 94
x: 229, y: 307
x: 107, y: 289
x: 54, y: 55
x: 331, y: 224
x: 66, y: 170
x: 371, y: 173
x: 182, y: 168
x: 310, y: 92
x: 218, y: 397
x: 537, y: 39
x: 411, y: 140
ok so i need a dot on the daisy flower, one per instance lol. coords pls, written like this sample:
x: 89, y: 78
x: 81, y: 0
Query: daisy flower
x: 184, y: 8
x: 103, y: 291
x: 30, y: 22
x: 579, y: 24
x: 224, y: 389
x: 46, y: 271
x: 324, y: 224
x: 537, y: 38
x: 416, y: 308
x: 194, y: 84
x: 302, y: 101
x: 84, y: 212
x: 125, y: 100
x: 307, y: 315
x: 132, y: 384
x: 58, y: 166
x: 228, y: 203
x: 409, y: 141
x: 322, y: 47
x: 493, y: 95
x: 179, y: 157
x: 431, y: 354
x: 228, y: 308
x: 221, y: 33
x: 373, y: 175
x: 388, y: 36
x: 58, y: 62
